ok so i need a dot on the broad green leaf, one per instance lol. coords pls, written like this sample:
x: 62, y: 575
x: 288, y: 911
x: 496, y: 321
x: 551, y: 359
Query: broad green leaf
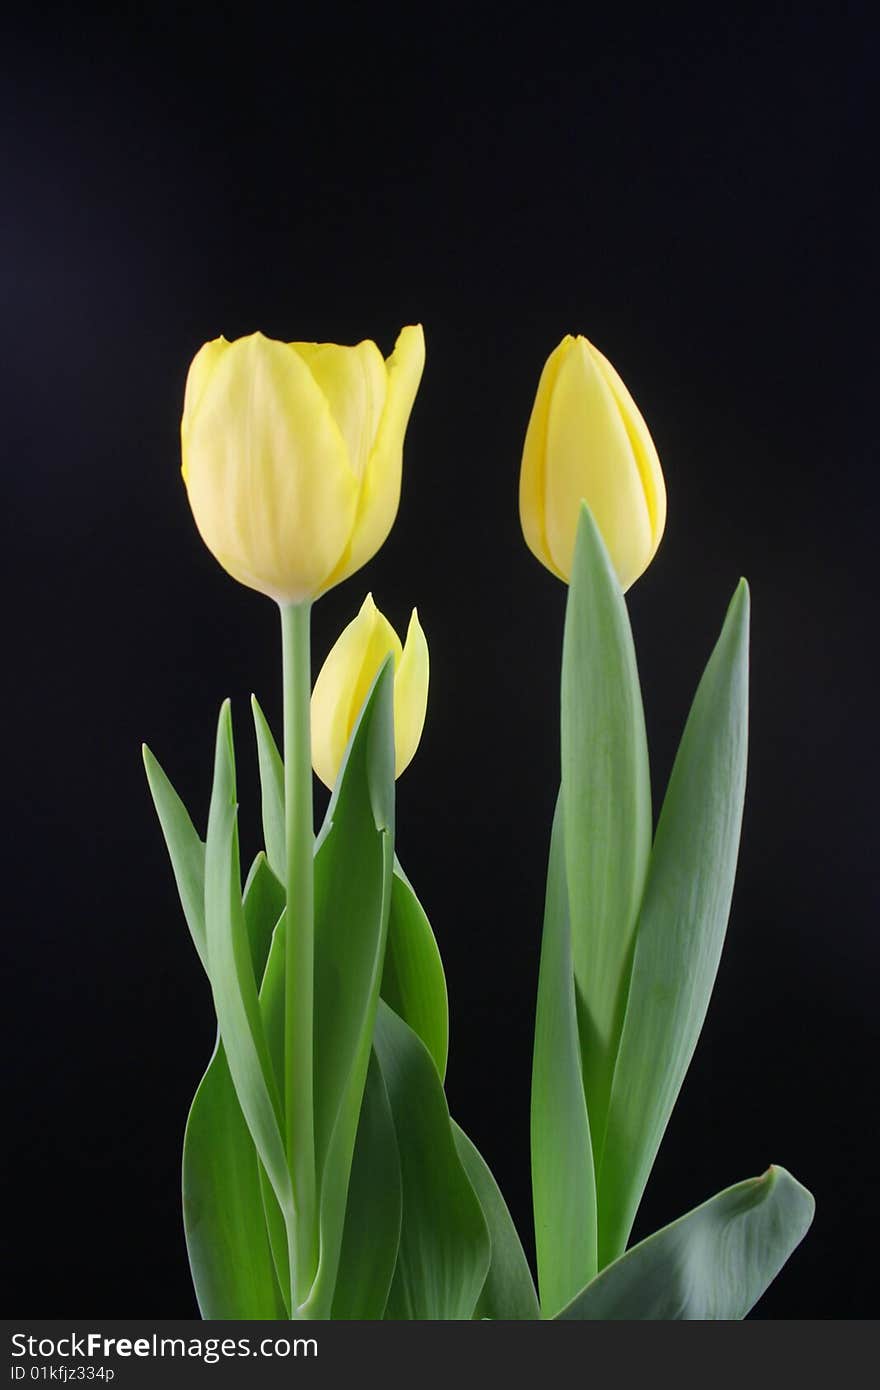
x: 373, y: 1214
x: 714, y: 1263
x: 413, y: 982
x: 186, y: 850
x: 232, y: 975
x: 606, y: 799
x: 353, y: 868
x: 563, y: 1184
x: 232, y: 1267
x: 509, y: 1291
x: 681, y: 927
x: 272, y: 792
x: 444, y: 1241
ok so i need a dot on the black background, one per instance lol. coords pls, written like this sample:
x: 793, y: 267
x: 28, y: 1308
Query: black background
x: 696, y: 191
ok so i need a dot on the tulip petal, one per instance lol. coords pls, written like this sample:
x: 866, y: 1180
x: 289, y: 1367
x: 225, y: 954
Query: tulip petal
x: 593, y: 460
x: 267, y: 471
x: 533, y: 475
x: 354, y: 381
x: 643, y: 447
x: 410, y: 695
x: 380, y: 486
x: 197, y: 378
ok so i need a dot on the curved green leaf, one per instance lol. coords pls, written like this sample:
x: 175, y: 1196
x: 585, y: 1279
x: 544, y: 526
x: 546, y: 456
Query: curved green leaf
x: 373, y: 1214
x: 681, y: 927
x: 232, y: 975
x: 272, y: 792
x: 563, y: 1184
x: 264, y: 902
x: 272, y: 1011
x: 413, y: 981
x: 231, y: 1263
x: 444, y: 1242
x: 714, y: 1263
x: 186, y: 851
x: 606, y: 800
x: 353, y: 867
x: 509, y: 1291
x: 223, y: 1212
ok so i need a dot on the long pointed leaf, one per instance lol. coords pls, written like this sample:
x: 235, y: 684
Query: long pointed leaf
x: 272, y: 1011
x: 681, y: 927
x: 232, y: 1267
x: 563, y: 1183
x: 353, y: 868
x: 606, y: 798
x: 714, y: 1263
x: 186, y: 851
x: 264, y: 901
x: 373, y: 1214
x: 229, y: 1255
x: 413, y: 981
x: 272, y: 792
x: 232, y: 976
x: 444, y: 1242
x: 509, y: 1291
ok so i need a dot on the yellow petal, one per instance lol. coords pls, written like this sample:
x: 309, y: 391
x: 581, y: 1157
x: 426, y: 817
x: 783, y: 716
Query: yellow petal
x: 643, y: 447
x: 267, y: 470
x: 590, y: 457
x: 197, y: 378
x: 380, y: 486
x: 410, y: 695
x: 533, y: 474
x: 354, y: 381
x: 343, y: 684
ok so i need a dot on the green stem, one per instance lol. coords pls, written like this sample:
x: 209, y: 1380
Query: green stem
x: 300, y: 946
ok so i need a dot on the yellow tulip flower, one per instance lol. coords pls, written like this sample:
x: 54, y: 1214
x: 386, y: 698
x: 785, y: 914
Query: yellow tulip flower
x: 587, y: 441
x: 344, y: 683
x: 292, y: 456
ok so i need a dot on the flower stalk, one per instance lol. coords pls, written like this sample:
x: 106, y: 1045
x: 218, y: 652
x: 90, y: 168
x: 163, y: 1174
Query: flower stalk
x: 299, y: 970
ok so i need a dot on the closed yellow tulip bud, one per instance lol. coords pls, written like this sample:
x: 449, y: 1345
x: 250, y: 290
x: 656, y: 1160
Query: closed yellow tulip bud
x: 587, y: 441
x: 292, y: 456
x: 344, y: 683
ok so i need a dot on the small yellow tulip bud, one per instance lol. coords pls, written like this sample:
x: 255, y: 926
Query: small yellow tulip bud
x: 292, y: 456
x: 587, y: 441
x: 344, y: 683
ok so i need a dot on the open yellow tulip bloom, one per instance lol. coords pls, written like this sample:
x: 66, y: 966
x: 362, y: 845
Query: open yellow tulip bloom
x: 344, y: 683
x: 587, y: 441
x: 292, y: 456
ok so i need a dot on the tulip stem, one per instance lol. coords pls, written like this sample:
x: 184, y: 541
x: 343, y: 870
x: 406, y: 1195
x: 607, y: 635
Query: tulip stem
x: 299, y: 973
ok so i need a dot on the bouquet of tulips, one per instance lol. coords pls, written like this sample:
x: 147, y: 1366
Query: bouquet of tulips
x: 323, y: 1176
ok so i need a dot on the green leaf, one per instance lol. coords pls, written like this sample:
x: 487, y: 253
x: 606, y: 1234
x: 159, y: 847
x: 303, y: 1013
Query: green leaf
x: 563, y: 1185
x: 264, y: 902
x: 413, y: 982
x: 233, y: 1270
x: 186, y: 850
x: 232, y: 975
x: 353, y: 868
x: 232, y: 1267
x: 509, y: 1291
x: 373, y: 1214
x: 714, y: 1263
x: 606, y: 799
x: 272, y: 1012
x: 444, y: 1242
x: 681, y: 927
x: 272, y: 793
